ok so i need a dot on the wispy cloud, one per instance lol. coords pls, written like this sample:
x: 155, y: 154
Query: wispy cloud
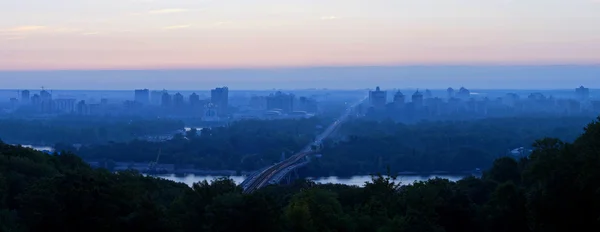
x: 91, y: 33
x: 66, y: 30
x: 220, y: 23
x: 168, y: 11
x: 328, y: 18
x: 177, y: 27
x: 15, y: 38
x: 25, y: 28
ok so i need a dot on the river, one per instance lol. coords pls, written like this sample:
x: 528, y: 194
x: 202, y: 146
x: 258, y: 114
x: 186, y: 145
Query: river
x: 355, y: 180
x: 40, y: 148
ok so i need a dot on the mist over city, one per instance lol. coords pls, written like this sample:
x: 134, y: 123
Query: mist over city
x: 300, y: 116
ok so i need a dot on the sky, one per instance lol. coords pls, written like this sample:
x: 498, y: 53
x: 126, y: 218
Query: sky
x: 351, y: 77
x: 150, y: 34
x: 43, y: 35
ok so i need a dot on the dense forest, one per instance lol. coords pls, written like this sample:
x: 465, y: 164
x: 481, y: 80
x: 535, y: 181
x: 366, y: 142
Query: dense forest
x: 450, y: 146
x: 247, y: 145
x: 360, y: 147
x: 83, y: 130
x: 555, y: 188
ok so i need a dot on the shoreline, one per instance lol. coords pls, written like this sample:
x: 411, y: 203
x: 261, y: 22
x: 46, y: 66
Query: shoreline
x: 219, y: 173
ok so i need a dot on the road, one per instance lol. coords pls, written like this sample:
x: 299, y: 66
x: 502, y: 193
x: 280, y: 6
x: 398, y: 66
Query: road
x: 265, y: 177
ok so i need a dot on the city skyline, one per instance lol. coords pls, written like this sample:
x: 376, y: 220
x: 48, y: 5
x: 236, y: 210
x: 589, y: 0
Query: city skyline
x: 155, y: 34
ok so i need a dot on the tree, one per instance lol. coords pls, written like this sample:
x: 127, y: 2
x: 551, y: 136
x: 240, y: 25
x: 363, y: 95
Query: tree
x: 506, y: 211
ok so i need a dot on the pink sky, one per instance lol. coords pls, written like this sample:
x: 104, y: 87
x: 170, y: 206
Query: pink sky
x: 125, y: 34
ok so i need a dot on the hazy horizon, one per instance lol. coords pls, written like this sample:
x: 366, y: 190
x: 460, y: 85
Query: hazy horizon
x: 388, y: 77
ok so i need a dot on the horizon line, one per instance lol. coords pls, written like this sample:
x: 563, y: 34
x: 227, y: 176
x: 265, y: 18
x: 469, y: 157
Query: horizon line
x: 288, y: 89
x: 183, y: 68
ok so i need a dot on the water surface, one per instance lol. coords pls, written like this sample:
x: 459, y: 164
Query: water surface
x: 355, y: 180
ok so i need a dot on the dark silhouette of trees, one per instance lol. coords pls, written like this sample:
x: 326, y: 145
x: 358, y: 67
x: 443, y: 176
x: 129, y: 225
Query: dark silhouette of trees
x: 556, y: 188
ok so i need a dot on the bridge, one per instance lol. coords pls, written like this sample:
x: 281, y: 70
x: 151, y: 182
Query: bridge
x: 276, y: 173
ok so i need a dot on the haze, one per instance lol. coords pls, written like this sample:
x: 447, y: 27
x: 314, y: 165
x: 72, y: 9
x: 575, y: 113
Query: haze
x: 432, y: 77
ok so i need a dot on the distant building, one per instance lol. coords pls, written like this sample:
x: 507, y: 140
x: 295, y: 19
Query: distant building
x: 25, y: 97
x: 194, y: 100
x: 464, y: 93
x: 378, y: 98
x: 178, y: 101
x: 36, y: 99
x: 536, y: 96
x: 583, y: 94
x: 281, y: 101
x: 65, y: 105
x: 166, y: 100
x: 219, y: 97
x: 399, y: 99
x: 307, y: 104
x: 82, y: 108
x: 142, y: 96
x: 210, y: 113
x: 417, y: 99
x: 450, y: 92
x: 510, y: 99
x: 46, y: 103
x: 428, y: 94
x: 156, y: 97
x: 45, y: 96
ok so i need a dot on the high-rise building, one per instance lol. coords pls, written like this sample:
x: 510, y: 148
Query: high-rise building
x: 178, y: 101
x: 309, y: 105
x: 156, y: 97
x: 428, y: 94
x: 450, y: 92
x: 464, y: 93
x: 194, y: 100
x: 142, y: 96
x: 65, y: 105
x: 210, y: 113
x: 45, y: 96
x: 399, y: 99
x: 82, y: 108
x: 36, y: 99
x: 25, y: 97
x: 219, y: 97
x: 583, y: 94
x: 378, y: 98
x: 417, y: 99
x: 166, y: 99
x: 46, y: 101
x: 281, y: 101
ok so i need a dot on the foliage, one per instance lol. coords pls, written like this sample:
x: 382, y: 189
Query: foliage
x: 556, y: 188
x: 361, y: 147
x: 83, y: 130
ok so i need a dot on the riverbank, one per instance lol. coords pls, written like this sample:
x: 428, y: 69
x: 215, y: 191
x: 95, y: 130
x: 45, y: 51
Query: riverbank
x: 171, y: 169
x: 353, y: 180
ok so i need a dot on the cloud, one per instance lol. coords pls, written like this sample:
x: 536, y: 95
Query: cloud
x: 168, y: 11
x: 328, y: 18
x: 176, y: 27
x: 25, y: 28
x: 91, y: 33
x: 15, y: 38
x: 221, y: 23
x: 66, y: 30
